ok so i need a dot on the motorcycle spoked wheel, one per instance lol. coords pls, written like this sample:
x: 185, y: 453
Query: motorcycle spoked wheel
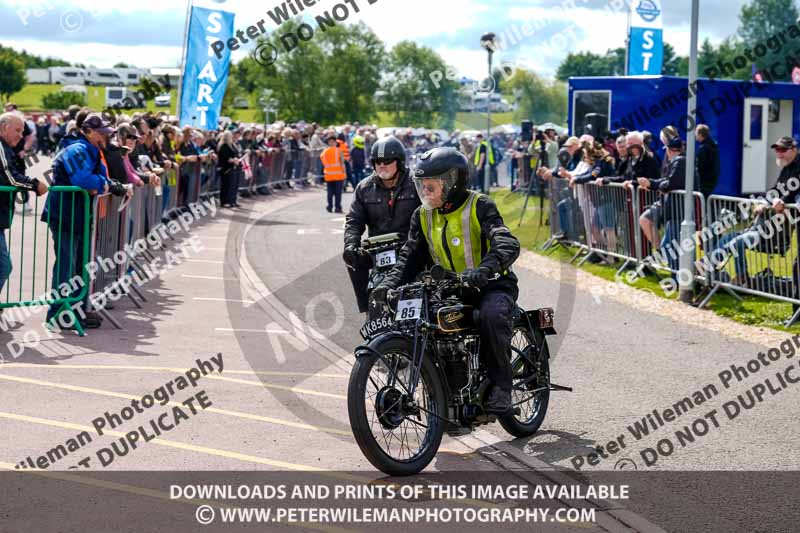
x: 395, y: 440
x: 532, y: 405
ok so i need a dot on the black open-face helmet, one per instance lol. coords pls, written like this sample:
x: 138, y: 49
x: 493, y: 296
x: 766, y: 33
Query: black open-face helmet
x: 389, y: 148
x: 448, y: 165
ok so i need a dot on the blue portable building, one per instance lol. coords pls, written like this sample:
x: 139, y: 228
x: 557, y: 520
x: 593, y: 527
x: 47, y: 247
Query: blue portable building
x: 745, y: 118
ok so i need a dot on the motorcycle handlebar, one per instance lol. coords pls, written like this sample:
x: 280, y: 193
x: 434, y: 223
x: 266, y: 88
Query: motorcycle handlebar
x: 439, y: 273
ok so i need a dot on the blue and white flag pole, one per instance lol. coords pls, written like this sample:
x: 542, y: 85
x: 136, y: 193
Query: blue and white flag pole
x: 205, y: 75
x: 646, y: 39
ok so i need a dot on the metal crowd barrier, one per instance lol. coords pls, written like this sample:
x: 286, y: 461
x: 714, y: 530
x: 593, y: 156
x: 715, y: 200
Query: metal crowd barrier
x: 154, y: 207
x: 566, y: 218
x: 315, y: 168
x: 188, y: 184
x: 209, y: 180
x: 261, y: 172
x: 89, y: 243
x: 276, y: 168
x: 169, y: 197
x: 61, y: 279
x: 666, y: 213
x: 109, y: 230
x: 108, y: 234
x: 749, y: 248
x: 741, y: 245
x: 605, y: 210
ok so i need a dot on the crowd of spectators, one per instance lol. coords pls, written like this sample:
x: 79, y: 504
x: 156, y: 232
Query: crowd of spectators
x: 121, y: 154
x: 633, y: 159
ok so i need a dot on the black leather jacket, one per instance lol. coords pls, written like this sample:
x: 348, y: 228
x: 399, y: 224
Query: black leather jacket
x: 380, y: 210
x: 11, y: 175
x: 790, y: 171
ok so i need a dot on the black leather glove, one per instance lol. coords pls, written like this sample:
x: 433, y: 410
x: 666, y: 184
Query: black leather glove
x: 351, y: 256
x: 117, y: 189
x: 476, y: 278
x: 381, y: 296
x: 378, y: 296
x: 365, y: 259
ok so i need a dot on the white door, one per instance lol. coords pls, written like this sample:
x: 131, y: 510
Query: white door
x: 755, y: 145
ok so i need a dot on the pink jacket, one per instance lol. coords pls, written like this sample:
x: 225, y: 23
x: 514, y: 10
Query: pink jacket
x: 132, y: 177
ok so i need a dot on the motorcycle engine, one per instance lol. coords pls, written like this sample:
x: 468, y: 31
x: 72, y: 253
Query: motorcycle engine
x: 456, y: 357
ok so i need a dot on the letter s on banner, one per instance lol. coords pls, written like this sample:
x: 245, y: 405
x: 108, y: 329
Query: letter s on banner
x: 204, y: 76
x: 646, y: 43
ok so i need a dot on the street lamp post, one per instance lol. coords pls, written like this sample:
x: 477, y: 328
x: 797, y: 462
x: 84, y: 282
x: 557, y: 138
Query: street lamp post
x: 489, y: 44
x: 267, y: 102
x: 686, y: 273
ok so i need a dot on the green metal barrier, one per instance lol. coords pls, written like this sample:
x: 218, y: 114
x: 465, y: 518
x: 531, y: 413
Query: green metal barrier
x: 24, y: 251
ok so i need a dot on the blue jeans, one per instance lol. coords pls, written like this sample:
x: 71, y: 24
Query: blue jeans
x: 735, y: 244
x: 358, y: 175
x: 298, y: 169
x: 5, y: 261
x: 565, y: 217
x: 666, y: 246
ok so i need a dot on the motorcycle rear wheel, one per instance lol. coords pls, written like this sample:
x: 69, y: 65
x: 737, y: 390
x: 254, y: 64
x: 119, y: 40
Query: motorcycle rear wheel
x: 532, y: 405
x: 394, y: 441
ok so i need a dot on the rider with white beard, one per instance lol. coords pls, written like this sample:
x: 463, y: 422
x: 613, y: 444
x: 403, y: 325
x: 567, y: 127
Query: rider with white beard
x: 463, y: 232
x: 382, y: 203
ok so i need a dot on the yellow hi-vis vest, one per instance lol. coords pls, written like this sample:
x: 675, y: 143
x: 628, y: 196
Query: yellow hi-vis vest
x: 535, y: 152
x: 454, y: 239
x: 489, y: 153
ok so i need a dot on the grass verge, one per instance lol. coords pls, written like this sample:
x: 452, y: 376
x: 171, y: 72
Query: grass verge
x: 751, y: 310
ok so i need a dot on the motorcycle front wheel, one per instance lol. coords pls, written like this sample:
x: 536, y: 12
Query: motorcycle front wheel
x: 530, y: 387
x: 398, y: 434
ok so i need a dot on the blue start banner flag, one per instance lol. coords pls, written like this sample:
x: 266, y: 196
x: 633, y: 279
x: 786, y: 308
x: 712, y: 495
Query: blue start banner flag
x: 645, y: 41
x: 204, y: 76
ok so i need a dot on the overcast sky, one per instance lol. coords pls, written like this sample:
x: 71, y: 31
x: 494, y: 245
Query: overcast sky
x: 149, y: 33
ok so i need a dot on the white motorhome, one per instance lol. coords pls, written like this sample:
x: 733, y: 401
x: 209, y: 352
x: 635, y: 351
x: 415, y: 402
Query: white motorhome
x: 131, y: 76
x: 37, y: 75
x: 67, y: 75
x: 103, y: 76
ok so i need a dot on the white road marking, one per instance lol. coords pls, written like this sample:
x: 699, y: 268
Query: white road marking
x: 207, y: 277
x: 235, y: 330
x: 250, y: 285
x: 249, y: 302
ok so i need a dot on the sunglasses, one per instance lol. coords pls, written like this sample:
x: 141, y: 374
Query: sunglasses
x: 781, y: 150
x: 384, y: 161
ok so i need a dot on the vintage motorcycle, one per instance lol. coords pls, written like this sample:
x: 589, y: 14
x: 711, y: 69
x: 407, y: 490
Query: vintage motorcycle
x: 383, y: 250
x: 419, y: 374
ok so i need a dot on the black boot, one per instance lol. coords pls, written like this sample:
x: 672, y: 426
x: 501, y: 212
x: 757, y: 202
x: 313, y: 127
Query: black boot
x: 498, y: 402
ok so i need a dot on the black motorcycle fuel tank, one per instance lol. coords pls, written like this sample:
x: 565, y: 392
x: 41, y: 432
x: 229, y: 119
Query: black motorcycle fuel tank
x: 455, y: 318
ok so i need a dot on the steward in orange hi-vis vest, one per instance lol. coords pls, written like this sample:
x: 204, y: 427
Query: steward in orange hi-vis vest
x: 333, y: 163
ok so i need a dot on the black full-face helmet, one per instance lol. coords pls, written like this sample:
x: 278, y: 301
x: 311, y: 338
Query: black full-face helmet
x: 389, y: 148
x: 450, y: 167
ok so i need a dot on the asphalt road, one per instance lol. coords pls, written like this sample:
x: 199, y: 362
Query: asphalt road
x: 621, y: 362
x: 269, y: 292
